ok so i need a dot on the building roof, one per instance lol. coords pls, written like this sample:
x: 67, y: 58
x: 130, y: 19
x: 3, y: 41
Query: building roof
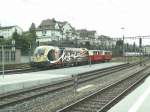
x: 86, y: 33
x: 61, y: 24
x: 48, y: 24
x: 6, y: 27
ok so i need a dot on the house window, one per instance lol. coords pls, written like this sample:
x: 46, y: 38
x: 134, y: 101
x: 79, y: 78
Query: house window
x: 44, y: 33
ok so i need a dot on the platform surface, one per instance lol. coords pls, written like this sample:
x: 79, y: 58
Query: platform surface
x: 136, y: 101
x: 23, y: 80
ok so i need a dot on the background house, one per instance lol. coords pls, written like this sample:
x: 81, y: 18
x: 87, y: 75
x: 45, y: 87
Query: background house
x: 51, y: 30
x: 8, y: 31
x: 48, y: 30
x: 87, y: 36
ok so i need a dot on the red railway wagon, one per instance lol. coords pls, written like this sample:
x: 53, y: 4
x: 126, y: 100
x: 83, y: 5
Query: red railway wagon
x: 100, y: 55
x: 107, y: 55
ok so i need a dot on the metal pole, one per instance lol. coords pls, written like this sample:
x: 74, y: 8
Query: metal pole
x: 140, y: 45
x: 75, y: 79
x: 29, y: 52
x: 3, y: 61
x: 123, y: 45
x: 89, y: 61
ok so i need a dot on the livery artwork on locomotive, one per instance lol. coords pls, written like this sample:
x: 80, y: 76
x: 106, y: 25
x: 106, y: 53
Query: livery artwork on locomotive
x: 55, y: 55
x: 52, y: 55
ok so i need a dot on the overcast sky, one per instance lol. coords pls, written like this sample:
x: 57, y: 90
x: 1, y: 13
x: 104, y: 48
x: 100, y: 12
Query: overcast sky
x: 105, y: 16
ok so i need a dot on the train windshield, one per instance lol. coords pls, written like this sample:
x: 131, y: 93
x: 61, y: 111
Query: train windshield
x: 39, y: 51
x: 108, y: 52
x: 54, y: 54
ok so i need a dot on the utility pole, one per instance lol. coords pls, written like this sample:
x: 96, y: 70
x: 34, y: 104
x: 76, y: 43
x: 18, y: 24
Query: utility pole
x: 140, y: 45
x: 123, y: 50
x: 3, y: 61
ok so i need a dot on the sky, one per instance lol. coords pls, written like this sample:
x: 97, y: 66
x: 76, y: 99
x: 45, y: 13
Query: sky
x: 107, y: 17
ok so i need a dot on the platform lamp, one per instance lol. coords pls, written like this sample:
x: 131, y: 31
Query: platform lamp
x: 140, y: 46
x: 123, y: 50
x: 2, y: 51
x: 13, y: 49
x: 3, y: 60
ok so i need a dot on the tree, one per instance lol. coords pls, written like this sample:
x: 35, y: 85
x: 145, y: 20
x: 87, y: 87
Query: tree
x: 17, y: 39
x: 118, y: 51
x: 32, y: 36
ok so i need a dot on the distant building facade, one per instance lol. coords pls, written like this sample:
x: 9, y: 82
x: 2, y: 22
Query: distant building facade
x: 48, y: 30
x: 87, y: 36
x: 7, y: 32
x: 68, y: 32
x: 106, y: 42
x: 52, y: 30
x: 146, y: 49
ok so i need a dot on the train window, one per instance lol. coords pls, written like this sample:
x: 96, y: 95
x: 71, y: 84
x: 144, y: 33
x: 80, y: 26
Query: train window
x: 100, y: 52
x: 108, y: 53
x: 53, y: 54
x: 39, y: 52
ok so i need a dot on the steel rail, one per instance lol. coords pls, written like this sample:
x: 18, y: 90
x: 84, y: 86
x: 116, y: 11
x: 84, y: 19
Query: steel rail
x: 85, y: 103
x: 4, y: 98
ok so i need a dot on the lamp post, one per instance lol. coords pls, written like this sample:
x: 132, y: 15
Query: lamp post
x: 123, y: 50
x: 3, y: 61
x: 140, y: 46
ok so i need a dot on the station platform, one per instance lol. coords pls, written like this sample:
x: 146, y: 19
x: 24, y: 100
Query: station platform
x: 24, y: 80
x: 136, y: 101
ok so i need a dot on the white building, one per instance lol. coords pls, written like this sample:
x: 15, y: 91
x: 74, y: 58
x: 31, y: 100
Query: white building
x: 7, y: 32
x: 146, y: 49
x: 68, y: 32
x: 106, y: 41
x: 48, y: 30
x: 88, y: 36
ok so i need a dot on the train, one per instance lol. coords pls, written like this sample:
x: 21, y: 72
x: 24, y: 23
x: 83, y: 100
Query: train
x: 53, y: 56
x: 133, y: 54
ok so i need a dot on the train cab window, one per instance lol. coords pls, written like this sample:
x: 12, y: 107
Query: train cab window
x: 51, y: 55
x: 106, y: 53
x: 100, y: 52
x: 94, y: 52
x: 39, y: 51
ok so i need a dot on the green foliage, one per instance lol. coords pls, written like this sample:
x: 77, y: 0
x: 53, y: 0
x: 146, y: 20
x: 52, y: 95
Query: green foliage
x: 118, y: 51
x: 27, y: 41
x: 5, y: 41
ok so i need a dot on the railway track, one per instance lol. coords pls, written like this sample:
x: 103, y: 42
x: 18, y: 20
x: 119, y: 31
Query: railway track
x: 102, y: 100
x: 13, y: 98
x: 26, y: 68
